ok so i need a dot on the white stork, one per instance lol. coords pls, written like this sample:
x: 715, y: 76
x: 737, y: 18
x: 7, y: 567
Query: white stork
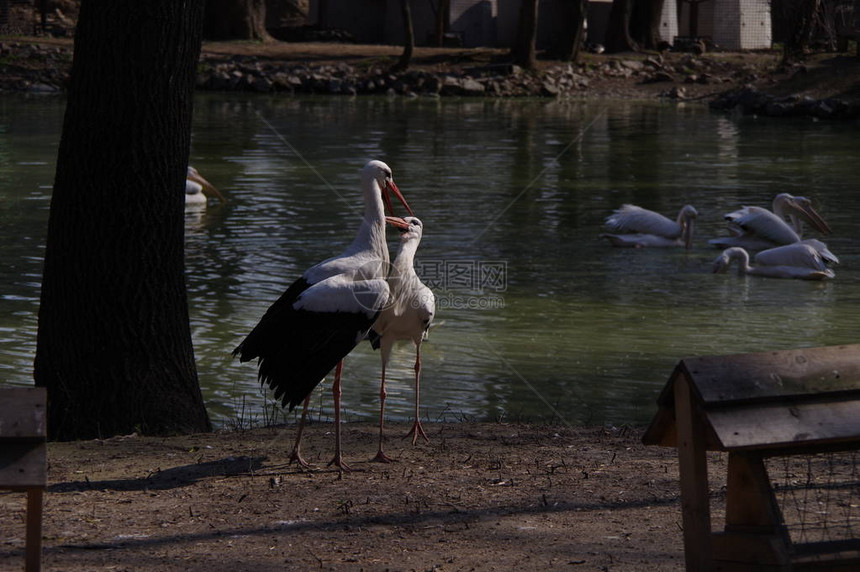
x: 326, y: 312
x: 633, y: 226
x: 756, y: 228
x: 796, y: 260
x: 407, y: 317
x: 198, y: 189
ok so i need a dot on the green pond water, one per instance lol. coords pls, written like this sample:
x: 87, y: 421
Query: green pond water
x: 538, y: 318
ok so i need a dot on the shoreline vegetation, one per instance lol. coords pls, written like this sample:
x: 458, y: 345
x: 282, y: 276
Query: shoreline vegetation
x: 826, y: 86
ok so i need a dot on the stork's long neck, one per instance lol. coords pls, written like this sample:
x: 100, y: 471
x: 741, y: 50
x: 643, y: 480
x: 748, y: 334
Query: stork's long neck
x: 402, y: 276
x: 371, y: 234
x: 405, y: 260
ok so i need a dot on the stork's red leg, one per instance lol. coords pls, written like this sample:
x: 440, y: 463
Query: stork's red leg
x: 296, y: 454
x: 381, y: 457
x: 417, y: 429
x: 336, y: 392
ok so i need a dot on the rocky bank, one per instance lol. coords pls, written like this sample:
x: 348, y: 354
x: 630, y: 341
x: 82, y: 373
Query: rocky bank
x: 752, y: 83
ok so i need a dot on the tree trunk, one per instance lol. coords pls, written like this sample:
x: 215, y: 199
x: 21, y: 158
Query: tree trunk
x: 114, y: 342
x: 645, y: 26
x: 802, y: 24
x: 322, y: 14
x: 441, y: 21
x: 694, y: 17
x: 286, y: 13
x: 235, y: 20
x: 524, y: 51
x: 618, y: 37
x: 408, y: 37
x: 5, y: 6
x: 567, y: 27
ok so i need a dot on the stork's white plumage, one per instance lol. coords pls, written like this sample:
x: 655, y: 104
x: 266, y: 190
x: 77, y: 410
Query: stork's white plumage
x: 633, y: 226
x: 326, y: 312
x: 198, y: 189
x: 407, y: 317
x: 756, y: 228
x: 796, y: 260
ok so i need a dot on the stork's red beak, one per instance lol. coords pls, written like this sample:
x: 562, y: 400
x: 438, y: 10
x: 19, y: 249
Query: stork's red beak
x: 397, y: 221
x: 390, y: 186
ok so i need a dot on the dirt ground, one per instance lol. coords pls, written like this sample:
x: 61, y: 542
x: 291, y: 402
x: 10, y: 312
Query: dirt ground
x: 482, y: 496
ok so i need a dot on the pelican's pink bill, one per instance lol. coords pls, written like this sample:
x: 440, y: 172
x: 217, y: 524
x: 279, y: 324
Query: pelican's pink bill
x: 814, y: 218
x: 208, y: 188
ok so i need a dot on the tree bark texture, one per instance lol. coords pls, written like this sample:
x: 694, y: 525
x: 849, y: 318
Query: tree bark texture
x: 567, y: 28
x: 803, y: 21
x: 441, y: 21
x: 114, y: 342
x: 618, y: 37
x: 524, y: 53
x: 408, y: 37
x: 645, y: 25
x: 235, y: 20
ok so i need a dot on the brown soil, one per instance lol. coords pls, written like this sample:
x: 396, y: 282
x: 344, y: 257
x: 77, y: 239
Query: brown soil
x: 476, y: 497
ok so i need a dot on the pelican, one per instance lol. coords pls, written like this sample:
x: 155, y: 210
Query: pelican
x: 756, y: 228
x: 406, y: 317
x: 326, y: 312
x: 821, y: 248
x: 198, y: 189
x: 644, y: 228
x: 790, y: 261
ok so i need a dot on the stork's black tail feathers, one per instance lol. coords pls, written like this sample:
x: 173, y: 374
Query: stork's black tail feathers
x: 297, y: 353
x: 374, y: 338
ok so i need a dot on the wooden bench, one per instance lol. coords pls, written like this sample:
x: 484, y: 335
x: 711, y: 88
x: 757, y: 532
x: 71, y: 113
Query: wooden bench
x: 23, y: 458
x: 757, y: 407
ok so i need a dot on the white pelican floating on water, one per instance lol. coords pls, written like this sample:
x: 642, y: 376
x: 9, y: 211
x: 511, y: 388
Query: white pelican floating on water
x: 634, y: 226
x: 756, y: 228
x: 198, y: 189
x: 791, y: 261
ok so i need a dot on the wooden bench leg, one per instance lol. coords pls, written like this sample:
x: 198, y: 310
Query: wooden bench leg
x: 33, y: 559
x: 693, y: 468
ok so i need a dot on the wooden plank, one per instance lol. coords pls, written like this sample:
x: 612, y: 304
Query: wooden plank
x: 662, y: 429
x: 782, y: 425
x: 750, y: 503
x: 767, y: 375
x: 693, y: 468
x: 835, y: 556
x: 33, y: 557
x: 733, y: 551
x: 23, y: 465
x: 22, y: 413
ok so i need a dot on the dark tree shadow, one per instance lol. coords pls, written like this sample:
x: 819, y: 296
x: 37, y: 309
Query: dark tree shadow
x: 169, y: 478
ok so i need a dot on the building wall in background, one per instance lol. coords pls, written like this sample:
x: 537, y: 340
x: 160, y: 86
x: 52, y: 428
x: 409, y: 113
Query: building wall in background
x: 731, y: 24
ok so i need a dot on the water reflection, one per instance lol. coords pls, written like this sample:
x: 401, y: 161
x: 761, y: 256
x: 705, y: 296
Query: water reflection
x: 579, y: 330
